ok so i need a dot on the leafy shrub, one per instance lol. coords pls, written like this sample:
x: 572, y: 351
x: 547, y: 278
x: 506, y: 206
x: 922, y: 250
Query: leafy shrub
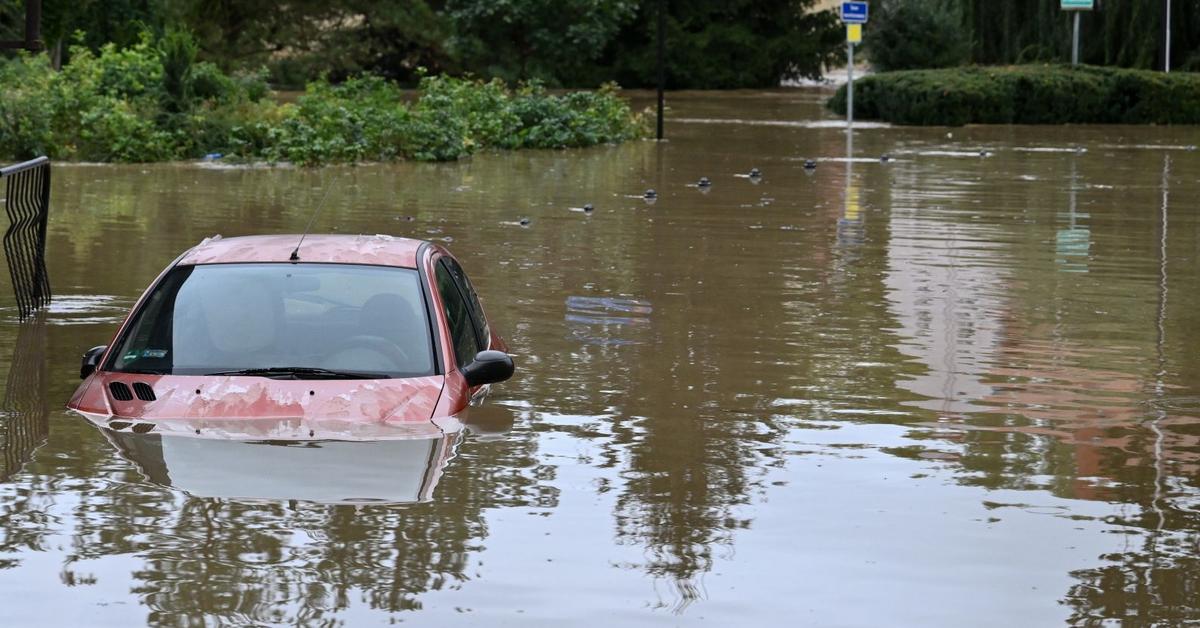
x: 917, y: 34
x: 153, y: 101
x: 367, y: 118
x: 26, y: 120
x: 1031, y: 94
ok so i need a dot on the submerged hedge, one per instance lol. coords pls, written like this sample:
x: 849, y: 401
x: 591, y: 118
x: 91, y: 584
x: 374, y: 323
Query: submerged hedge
x: 1025, y: 94
x: 155, y: 102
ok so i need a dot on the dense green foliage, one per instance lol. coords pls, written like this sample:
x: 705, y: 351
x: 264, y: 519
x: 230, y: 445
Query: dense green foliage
x: 726, y: 43
x: 722, y: 45
x: 534, y: 38
x: 153, y: 101
x: 1030, y: 94
x: 1125, y: 33
x: 915, y: 34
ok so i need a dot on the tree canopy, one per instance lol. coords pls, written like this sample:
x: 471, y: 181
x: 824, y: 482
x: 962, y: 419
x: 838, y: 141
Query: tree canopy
x: 1124, y: 33
x: 712, y: 43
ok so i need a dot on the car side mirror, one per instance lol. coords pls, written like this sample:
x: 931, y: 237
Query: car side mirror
x: 489, y: 367
x: 91, y: 361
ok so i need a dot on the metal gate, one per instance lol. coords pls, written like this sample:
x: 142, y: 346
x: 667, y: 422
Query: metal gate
x: 27, y: 203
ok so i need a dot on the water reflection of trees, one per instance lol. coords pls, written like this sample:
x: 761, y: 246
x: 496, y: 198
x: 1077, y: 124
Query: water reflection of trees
x: 1063, y: 403
x: 289, y: 562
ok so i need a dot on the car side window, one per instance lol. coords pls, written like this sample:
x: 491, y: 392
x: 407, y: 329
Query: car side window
x: 462, y: 331
x: 475, y: 308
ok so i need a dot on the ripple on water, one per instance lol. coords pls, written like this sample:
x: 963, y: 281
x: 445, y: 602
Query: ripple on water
x: 80, y: 309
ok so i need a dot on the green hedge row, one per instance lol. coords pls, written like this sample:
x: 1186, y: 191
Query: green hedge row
x: 1025, y: 94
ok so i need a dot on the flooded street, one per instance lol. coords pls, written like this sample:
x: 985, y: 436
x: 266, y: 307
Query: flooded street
x: 959, y: 386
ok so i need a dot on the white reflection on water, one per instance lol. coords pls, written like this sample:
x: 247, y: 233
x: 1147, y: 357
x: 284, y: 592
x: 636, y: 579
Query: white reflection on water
x: 946, y: 288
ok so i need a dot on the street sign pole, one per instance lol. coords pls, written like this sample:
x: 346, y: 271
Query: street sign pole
x: 1075, y: 42
x: 1075, y: 6
x: 1167, y: 57
x: 850, y: 87
x: 854, y: 15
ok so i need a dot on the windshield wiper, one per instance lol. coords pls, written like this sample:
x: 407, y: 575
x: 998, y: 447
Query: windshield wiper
x: 297, y: 371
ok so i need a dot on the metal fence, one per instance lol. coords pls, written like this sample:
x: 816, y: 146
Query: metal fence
x: 27, y: 203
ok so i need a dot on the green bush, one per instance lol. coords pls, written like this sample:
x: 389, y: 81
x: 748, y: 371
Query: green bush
x: 1029, y: 94
x: 917, y: 34
x: 153, y: 101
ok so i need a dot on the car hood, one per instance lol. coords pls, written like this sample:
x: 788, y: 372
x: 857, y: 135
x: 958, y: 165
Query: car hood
x: 187, y: 398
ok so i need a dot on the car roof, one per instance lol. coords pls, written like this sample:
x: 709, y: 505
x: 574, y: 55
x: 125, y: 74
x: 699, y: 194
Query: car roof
x: 382, y: 250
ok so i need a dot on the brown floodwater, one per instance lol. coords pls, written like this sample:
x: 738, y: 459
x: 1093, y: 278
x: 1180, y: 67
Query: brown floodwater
x: 957, y: 387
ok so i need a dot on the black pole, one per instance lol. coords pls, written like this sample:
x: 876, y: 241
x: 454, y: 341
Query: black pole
x: 662, y: 53
x: 33, y: 25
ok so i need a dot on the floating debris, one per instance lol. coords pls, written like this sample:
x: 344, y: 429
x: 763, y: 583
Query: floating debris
x: 603, y: 320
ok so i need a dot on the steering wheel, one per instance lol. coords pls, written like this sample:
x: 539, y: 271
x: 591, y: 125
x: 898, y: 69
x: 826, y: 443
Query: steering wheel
x: 377, y: 344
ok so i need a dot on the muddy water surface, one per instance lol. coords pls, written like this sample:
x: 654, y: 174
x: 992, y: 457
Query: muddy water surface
x: 957, y: 387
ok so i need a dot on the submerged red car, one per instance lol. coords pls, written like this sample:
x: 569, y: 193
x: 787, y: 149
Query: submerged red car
x: 346, y: 337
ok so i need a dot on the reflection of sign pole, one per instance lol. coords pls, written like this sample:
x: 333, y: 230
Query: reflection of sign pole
x: 1076, y: 6
x: 854, y: 14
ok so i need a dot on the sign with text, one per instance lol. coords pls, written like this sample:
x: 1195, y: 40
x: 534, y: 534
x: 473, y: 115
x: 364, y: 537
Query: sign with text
x: 1078, y: 5
x: 855, y: 12
x: 854, y: 33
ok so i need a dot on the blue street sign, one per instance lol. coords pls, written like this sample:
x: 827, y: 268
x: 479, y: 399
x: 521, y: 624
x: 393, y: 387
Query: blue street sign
x: 854, y: 12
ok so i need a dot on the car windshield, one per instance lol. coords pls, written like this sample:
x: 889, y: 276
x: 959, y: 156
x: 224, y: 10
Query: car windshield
x: 298, y: 320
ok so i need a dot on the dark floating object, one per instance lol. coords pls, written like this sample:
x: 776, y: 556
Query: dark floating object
x: 524, y: 221
x: 704, y: 182
x: 810, y: 164
x: 885, y: 158
x: 984, y: 153
x: 755, y: 173
x: 587, y: 208
x: 650, y: 194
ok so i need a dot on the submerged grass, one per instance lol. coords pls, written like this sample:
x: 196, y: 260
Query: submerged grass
x: 155, y: 102
x: 1026, y: 94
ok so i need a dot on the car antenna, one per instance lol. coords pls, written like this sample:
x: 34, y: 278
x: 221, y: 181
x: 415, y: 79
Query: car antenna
x: 295, y: 257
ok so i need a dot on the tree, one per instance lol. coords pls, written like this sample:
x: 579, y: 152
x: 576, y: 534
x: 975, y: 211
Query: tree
x: 915, y: 34
x: 727, y: 44
x: 543, y: 39
x: 302, y: 39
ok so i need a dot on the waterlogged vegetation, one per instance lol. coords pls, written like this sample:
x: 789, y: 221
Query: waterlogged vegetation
x: 153, y: 101
x: 1028, y: 94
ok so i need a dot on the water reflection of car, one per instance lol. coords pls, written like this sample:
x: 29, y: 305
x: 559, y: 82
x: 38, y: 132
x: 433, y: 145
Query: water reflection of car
x: 337, y: 338
x: 395, y: 467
